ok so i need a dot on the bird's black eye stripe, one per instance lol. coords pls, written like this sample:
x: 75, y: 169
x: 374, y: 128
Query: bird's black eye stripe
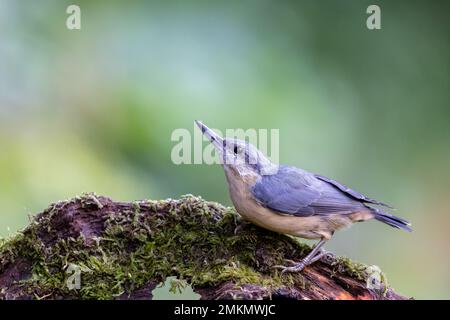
x: 235, y: 149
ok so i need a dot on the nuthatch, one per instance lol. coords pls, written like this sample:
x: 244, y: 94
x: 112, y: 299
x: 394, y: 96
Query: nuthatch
x: 290, y: 200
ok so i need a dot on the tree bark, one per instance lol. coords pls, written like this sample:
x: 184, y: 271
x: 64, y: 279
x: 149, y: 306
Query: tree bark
x: 121, y: 250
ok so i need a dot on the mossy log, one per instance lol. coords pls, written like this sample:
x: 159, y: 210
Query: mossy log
x: 124, y: 250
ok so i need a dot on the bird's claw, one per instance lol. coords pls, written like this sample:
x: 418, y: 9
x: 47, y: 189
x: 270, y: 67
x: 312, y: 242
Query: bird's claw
x: 237, y: 229
x: 328, y: 257
x: 290, y: 261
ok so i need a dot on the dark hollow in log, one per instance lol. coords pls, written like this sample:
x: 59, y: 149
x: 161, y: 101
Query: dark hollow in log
x: 121, y: 250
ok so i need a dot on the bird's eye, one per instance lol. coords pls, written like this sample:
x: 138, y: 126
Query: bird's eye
x: 235, y: 150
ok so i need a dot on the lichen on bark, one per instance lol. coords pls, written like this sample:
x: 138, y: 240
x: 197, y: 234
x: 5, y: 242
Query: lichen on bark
x: 125, y: 249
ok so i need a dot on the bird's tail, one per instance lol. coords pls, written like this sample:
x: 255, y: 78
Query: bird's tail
x: 391, y: 220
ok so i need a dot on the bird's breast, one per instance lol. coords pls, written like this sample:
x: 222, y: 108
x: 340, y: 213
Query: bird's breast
x: 312, y: 227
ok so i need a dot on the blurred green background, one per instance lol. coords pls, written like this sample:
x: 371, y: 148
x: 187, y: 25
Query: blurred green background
x: 93, y: 110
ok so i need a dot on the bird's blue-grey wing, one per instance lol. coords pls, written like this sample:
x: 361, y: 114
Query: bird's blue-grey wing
x: 297, y: 192
x: 351, y: 192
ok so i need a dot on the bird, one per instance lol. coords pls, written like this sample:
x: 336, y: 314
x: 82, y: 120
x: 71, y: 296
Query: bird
x: 290, y: 200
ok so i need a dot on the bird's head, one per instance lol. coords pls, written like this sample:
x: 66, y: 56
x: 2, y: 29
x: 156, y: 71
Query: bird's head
x: 239, y: 156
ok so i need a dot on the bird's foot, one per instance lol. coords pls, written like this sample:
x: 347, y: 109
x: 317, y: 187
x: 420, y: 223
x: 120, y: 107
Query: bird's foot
x: 327, y: 257
x: 240, y: 226
x: 238, y: 229
x: 324, y: 256
x: 297, y: 267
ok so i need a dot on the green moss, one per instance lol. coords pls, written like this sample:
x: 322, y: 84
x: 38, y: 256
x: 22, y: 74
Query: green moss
x: 189, y: 238
x: 354, y: 269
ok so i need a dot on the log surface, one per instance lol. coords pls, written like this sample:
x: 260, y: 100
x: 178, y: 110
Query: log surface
x: 124, y: 250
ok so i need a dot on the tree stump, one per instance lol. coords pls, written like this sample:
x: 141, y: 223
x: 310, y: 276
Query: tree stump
x: 92, y: 247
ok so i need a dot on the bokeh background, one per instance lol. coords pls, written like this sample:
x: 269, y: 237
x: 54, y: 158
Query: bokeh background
x: 93, y: 110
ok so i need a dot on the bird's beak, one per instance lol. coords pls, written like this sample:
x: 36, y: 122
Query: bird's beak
x: 215, y: 139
